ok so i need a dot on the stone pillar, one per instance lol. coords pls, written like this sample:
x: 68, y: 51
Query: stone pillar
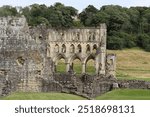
x: 102, y: 61
x: 102, y: 49
x: 111, y: 64
x: 97, y: 64
x: 67, y: 67
x: 83, y: 68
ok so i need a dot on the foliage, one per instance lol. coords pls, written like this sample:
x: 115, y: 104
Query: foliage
x: 8, y: 11
x: 126, y: 27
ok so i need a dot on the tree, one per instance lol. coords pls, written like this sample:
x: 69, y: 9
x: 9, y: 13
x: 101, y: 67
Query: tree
x: 8, y: 11
x: 87, y: 15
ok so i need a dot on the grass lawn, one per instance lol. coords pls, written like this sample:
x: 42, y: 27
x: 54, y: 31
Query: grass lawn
x: 120, y: 94
x: 42, y: 96
x: 126, y: 94
x: 132, y: 64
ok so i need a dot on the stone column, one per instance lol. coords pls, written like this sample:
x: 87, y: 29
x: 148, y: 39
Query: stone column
x: 97, y: 64
x: 67, y: 67
x: 102, y: 61
x: 83, y: 68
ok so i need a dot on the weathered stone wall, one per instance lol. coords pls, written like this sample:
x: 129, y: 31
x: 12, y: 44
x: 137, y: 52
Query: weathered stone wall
x: 28, y: 57
x: 20, y: 57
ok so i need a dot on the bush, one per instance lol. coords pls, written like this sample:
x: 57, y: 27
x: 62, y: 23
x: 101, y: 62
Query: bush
x: 120, y: 40
x: 115, y: 43
x: 143, y: 40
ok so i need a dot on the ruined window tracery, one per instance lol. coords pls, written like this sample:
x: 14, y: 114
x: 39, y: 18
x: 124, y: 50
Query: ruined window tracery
x: 72, y: 49
x: 88, y: 49
x: 56, y: 48
x: 63, y: 48
x: 79, y: 49
x: 94, y: 48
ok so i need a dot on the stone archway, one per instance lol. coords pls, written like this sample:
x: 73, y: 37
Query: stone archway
x: 63, y: 49
x: 79, y: 48
x: 60, y: 63
x: 89, y: 64
x: 94, y: 50
x: 75, y: 64
x: 72, y: 48
x: 88, y: 49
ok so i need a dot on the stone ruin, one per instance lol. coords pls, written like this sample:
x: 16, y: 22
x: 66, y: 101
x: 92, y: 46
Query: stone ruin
x: 29, y: 56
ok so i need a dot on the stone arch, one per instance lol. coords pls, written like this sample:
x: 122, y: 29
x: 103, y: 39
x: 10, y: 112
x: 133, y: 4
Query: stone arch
x: 75, y: 56
x: 76, y: 64
x: 72, y: 48
x: 90, y: 64
x: 88, y: 58
x: 88, y: 49
x: 79, y: 48
x: 63, y: 49
x: 94, y: 49
x: 60, y: 63
x: 58, y: 57
x: 57, y: 48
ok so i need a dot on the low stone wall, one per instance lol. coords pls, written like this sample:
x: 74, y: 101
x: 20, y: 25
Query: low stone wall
x: 84, y: 85
x: 134, y: 84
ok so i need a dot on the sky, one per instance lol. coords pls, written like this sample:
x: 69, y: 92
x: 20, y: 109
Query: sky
x: 78, y: 4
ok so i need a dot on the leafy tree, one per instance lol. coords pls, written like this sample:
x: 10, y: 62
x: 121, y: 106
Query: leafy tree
x: 86, y: 16
x: 8, y: 11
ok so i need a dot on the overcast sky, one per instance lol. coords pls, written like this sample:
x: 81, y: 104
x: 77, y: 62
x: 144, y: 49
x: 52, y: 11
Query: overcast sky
x: 78, y: 4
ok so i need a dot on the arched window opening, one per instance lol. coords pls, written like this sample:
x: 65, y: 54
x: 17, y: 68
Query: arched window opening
x: 90, y: 67
x: 63, y: 48
x: 72, y: 48
x: 88, y: 49
x: 60, y: 66
x: 56, y: 48
x: 95, y: 49
x: 77, y: 66
x: 79, y: 49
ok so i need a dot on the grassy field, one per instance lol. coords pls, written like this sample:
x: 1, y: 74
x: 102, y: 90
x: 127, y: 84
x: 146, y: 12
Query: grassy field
x: 132, y: 64
x: 77, y: 66
x: 41, y: 96
x: 120, y: 94
x: 126, y: 94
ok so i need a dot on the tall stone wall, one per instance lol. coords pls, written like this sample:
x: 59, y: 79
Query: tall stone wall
x: 28, y: 57
x: 83, y: 44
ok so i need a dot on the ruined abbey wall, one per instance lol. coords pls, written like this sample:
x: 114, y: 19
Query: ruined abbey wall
x: 29, y: 56
x: 83, y: 44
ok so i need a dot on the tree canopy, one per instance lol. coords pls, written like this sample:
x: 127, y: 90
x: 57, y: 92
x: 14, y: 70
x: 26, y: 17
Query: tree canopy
x: 126, y: 27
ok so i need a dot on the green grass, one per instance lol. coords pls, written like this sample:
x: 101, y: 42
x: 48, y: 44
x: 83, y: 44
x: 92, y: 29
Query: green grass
x: 132, y: 64
x: 119, y: 94
x: 77, y: 66
x: 41, y: 96
x: 126, y: 94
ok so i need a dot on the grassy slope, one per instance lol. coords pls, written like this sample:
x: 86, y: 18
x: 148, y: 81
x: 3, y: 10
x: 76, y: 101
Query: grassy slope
x: 126, y: 94
x: 42, y: 96
x: 132, y: 64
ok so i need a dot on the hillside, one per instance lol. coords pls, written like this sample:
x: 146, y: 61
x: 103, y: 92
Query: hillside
x: 132, y: 63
